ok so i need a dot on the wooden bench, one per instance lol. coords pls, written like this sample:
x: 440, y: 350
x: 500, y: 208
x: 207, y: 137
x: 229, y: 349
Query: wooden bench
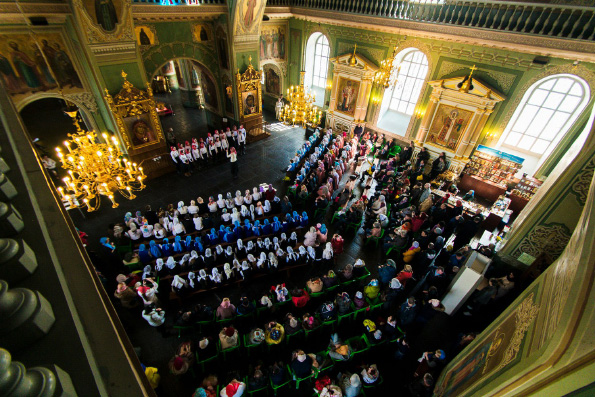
x: 287, y: 269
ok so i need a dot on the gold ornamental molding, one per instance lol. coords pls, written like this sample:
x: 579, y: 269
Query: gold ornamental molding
x: 157, y: 13
x: 130, y: 107
x: 532, y: 44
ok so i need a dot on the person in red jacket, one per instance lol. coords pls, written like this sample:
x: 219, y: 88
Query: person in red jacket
x: 337, y: 244
x: 405, y: 275
x: 299, y: 297
x: 418, y: 221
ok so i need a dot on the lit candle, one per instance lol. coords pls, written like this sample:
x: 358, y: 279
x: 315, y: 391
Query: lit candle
x: 67, y: 144
x: 141, y: 171
x: 114, y: 204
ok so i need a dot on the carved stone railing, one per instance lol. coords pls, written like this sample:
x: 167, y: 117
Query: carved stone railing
x: 55, y: 316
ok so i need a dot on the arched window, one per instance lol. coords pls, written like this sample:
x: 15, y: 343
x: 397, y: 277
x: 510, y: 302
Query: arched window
x: 545, y: 114
x: 398, y: 103
x: 317, y: 59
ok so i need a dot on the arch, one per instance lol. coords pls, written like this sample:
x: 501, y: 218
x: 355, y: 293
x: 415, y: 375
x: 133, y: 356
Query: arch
x: 317, y: 63
x: 203, y: 69
x: 77, y: 100
x: 400, y: 101
x: 544, y: 115
x: 275, y: 68
x: 157, y: 56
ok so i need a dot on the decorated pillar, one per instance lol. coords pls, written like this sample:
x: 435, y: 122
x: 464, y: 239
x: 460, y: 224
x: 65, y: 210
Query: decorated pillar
x: 429, y: 115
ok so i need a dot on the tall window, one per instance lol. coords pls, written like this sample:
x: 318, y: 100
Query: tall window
x: 321, y: 55
x: 317, y: 62
x: 545, y: 114
x: 398, y: 103
x: 414, y: 68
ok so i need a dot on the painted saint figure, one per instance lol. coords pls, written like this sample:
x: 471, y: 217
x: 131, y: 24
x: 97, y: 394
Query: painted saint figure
x: 143, y: 37
x: 105, y: 12
x: 249, y: 16
x: 26, y: 67
x: 347, y: 96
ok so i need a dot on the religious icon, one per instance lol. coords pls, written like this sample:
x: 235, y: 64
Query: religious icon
x: 250, y: 107
x: 142, y: 133
x: 347, y: 95
x: 448, y: 126
x: 272, y: 84
x: 209, y: 90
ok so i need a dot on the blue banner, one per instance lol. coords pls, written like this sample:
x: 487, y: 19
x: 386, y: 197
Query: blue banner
x: 501, y: 154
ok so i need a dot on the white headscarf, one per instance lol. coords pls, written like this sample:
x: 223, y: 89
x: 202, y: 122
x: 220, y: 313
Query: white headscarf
x: 202, y: 275
x: 302, y: 250
x: 227, y: 270
x: 251, y: 258
x: 250, y: 246
x: 185, y: 258
x: 219, y: 250
x: 244, y: 210
x: 215, y: 275
x: 240, y: 244
x: 171, y: 263
x: 208, y: 253
x: 198, y: 223
x: 312, y: 252
x: 273, y: 262
x: 191, y: 277
x: 267, y: 206
x: 159, y: 264
x: 255, y: 194
x: 229, y: 250
x: 178, y: 282
x: 328, y: 251
x: 235, y: 215
x: 147, y: 270
x: 220, y: 201
x: 193, y: 254
x: 261, y: 260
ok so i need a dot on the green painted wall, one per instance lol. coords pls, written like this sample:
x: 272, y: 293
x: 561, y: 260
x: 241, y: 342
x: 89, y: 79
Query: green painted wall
x: 505, y: 71
x: 112, y: 76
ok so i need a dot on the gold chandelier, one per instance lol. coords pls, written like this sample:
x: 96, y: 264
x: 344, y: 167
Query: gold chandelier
x: 96, y: 169
x: 388, y: 75
x: 301, y: 109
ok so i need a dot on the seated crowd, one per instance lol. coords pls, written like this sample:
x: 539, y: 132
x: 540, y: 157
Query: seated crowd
x: 357, y: 312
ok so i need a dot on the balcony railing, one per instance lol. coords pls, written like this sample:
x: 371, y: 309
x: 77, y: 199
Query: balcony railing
x: 560, y: 21
x: 181, y: 2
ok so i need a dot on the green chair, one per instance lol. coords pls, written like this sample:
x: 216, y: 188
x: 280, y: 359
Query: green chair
x: 314, y: 295
x: 224, y: 322
x: 309, y: 332
x: 228, y: 350
x: 206, y: 324
x: 375, y: 384
x: 296, y: 379
x: 206, y: 360
x: 394, y: 250
x: 375, y: 239
x: 342, y: 317
x: 253, y: 391
x: 285, y: 302
x: 251, y: 347
x: 124, y: 248
x: 325, y: 359
x: 364, y: 276
x: 288, y: 380
x: 293, y: 336
x: 354, y: 226
x: 322, y: 210
x: 360, y: 341
x: 183, y: 328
